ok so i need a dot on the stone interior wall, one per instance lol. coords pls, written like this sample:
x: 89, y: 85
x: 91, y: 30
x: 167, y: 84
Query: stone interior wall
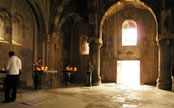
x: 58, y: 58
x: 25, y: 50
x: 145, y: 51
x: 82, y: 60
x: 71, y: 49
x: 66, y: 48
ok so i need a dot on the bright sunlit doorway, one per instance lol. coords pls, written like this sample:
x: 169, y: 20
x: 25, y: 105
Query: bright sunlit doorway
x: 128, y: 72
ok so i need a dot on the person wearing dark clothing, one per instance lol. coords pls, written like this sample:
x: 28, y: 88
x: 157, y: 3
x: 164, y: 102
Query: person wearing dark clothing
x: 11, y: 82
x: 37, y: 73
x: 13, y: 69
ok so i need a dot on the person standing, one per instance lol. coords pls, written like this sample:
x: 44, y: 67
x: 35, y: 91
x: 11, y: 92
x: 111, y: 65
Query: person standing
x: 13, y: 69
x: 89, y: 73
x: 37, y: 73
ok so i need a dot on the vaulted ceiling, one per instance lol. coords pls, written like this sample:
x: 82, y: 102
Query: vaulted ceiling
x: 51, y: 12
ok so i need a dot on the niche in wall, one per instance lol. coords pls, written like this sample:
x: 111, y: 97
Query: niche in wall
x: 17, y: 31
x: 4, y: 27
x: 84, y: 45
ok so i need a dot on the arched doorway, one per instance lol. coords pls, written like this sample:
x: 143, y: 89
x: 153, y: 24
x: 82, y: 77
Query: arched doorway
x: 142, y: 49
x: 128, y: 72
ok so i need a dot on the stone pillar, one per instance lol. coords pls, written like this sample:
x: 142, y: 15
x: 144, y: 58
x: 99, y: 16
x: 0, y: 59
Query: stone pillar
x: 95, y: 58
x: 45, y: 52
x: 51, y: 56
x: 94, y: 42
x: 165, y: 44
x: 164, y: 80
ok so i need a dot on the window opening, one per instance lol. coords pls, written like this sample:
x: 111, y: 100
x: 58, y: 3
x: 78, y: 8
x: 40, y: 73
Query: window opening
x: 129, y: 33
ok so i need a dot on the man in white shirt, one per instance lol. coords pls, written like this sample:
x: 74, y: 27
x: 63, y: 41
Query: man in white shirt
x: 13, y: 68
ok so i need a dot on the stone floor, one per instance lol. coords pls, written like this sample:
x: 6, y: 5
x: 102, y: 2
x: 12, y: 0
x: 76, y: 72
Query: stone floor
x: 105, y: 96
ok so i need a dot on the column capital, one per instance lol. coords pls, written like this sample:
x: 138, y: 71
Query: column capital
x: 165, y: 36
x: 94, y: 40
x: 165, y: 40
x: 164, y: 43
x: 54, y: 37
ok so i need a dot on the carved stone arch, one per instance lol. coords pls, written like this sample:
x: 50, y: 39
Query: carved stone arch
x: 111, y: 32
x: 65, y: 18
x: 4, y: 14
x: 55, y: 18
x: 18, y: 18
x: 5, y: 26
x: 17, y: 30
x: 59, y: 24
x: 120, y: 5
x: 55, y: 15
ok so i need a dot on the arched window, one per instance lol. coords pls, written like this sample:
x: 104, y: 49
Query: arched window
x: 129, y: 33
x: 17, y: 31
x: 1, y: 28
x: 4, y: 27
x: 84, y: 46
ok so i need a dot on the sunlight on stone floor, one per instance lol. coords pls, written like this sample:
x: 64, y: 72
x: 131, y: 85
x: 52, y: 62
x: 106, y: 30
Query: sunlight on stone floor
x: 104, y: 96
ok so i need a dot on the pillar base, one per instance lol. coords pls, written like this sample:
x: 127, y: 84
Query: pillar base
x: 164, y: 86
x: 98, y: 83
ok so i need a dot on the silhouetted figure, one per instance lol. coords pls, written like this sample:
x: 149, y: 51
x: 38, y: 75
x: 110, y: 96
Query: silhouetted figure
x: 89, y: 73
x: 37, y: 73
